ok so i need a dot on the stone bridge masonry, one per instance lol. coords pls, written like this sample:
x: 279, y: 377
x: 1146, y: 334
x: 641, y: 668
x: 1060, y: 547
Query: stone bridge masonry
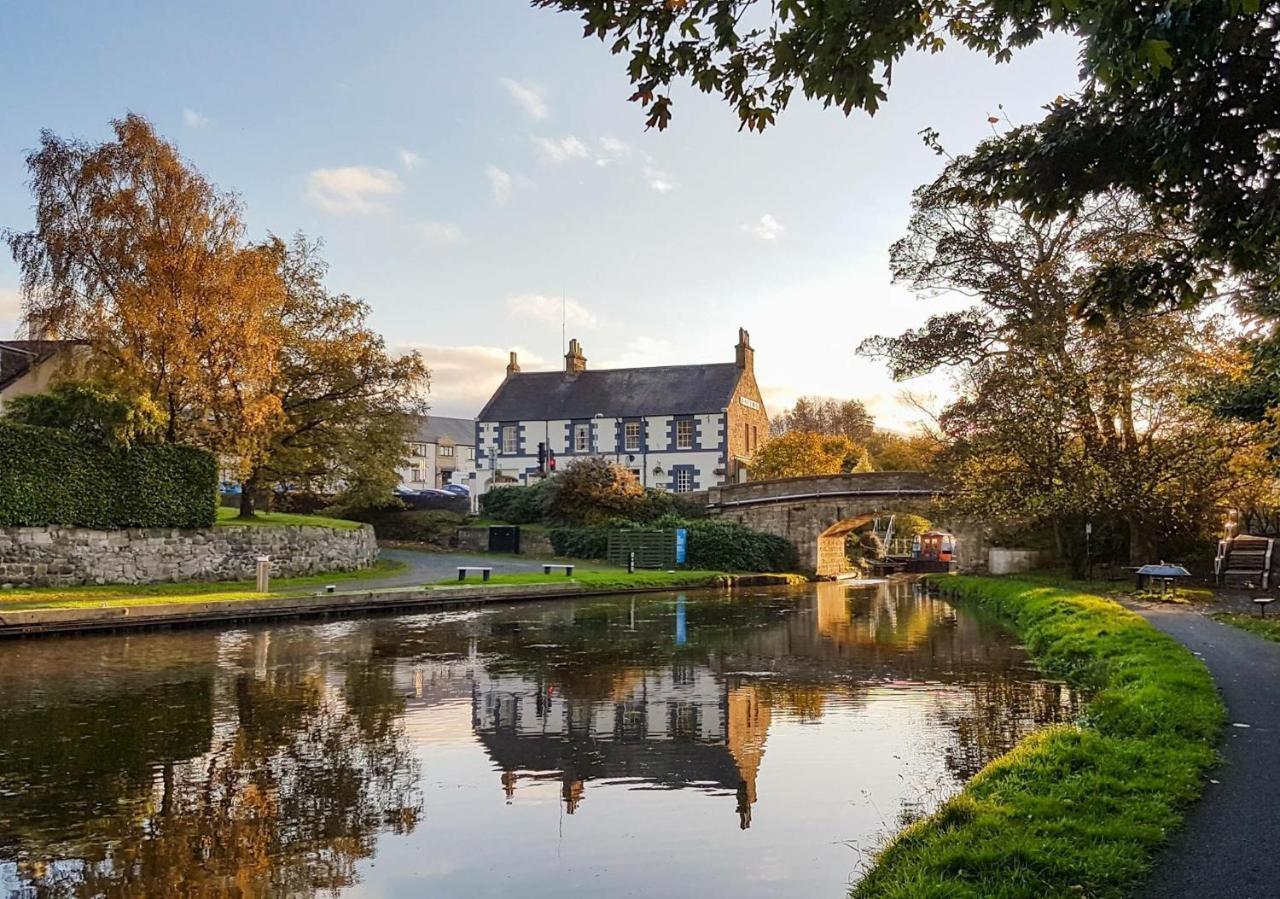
x: 817, y: 513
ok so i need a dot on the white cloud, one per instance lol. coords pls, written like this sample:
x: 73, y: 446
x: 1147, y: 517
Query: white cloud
x: 193, y: 119
x: 611, y: 149
x: 642, y: 351
x: 767, y: 228
x: 353, y: 188
x: 440, y: 232
x: 500, y: 184
x: 658, y: 180
x: 528, y: 96
x: 546, y: 308
x: 562, y: 150
x: 464, y: 377
x: 410, y: 160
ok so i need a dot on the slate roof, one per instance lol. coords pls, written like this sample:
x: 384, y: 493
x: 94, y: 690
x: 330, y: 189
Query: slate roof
x: 616, y: 393
x: 431, y: 428
x: 17, y: 356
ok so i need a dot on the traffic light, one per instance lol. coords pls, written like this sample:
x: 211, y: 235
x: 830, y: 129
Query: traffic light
x: 542, y: 458
x: 551, y: 459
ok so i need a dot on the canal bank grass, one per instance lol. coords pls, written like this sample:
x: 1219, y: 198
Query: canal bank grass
x: 93, y: 597
x: 230, y: 518
x: 1268, y: 627
x: 600, y: 579
x: 1072, y: 810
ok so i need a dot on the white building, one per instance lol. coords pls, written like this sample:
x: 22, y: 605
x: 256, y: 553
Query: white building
x: 442, y: 451
x: 677, y: 427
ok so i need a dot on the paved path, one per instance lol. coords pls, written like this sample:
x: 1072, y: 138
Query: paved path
x: 1230, y: 847
x: 428, y: 568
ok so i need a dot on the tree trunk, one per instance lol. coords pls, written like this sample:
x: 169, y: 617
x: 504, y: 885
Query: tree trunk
x: 249, y: 496
x: 1141, y: 550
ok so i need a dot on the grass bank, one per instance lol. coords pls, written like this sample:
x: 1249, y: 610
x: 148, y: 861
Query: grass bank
x: 228, y: 517
x: 600, y: 579
x: 1268, y: 627
x: 25, y: 599
x: 1073, y: 810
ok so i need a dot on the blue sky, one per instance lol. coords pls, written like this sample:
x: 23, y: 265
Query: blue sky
x: 466, y: 163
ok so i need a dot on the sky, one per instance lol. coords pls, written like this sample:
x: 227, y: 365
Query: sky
x: 470, y: 165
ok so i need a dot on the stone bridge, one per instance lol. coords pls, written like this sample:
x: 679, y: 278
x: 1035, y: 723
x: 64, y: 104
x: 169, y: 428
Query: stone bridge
x: 817, y: 513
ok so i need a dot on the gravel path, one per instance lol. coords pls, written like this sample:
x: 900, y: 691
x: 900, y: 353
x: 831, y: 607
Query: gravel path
x: 1230, y: 846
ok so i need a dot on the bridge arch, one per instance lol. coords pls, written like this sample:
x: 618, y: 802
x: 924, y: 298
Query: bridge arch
x: 817, y: 513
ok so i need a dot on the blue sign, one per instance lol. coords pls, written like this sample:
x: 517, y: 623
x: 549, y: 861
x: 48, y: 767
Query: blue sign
x: 682, y: 545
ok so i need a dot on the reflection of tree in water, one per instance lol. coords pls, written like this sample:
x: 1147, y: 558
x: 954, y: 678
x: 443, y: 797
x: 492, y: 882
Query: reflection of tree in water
x: 292, y: 793
x: 993, y: 713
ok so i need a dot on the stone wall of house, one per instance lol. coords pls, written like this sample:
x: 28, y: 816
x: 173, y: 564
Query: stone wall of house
x: 51, y: 556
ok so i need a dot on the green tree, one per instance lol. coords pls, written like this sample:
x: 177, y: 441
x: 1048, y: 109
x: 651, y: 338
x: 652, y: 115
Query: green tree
x: 1177, y: 107
x: 94, y: 411
x: 348, y: 406
x: 1058, y: 422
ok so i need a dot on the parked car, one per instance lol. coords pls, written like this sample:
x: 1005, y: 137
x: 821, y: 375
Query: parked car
x: 459, y: 489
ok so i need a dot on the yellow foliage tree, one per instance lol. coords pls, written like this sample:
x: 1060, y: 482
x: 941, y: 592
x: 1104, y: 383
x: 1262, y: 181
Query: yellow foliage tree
x: 136, y: 253
x: 798, y: 454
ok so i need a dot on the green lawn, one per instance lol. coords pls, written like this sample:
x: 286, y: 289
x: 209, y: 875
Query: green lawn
x: 600, y: 578
x: 228, y: 517
x: 1268, y: 627
x: 190, y: 592
x: 1079, y: 809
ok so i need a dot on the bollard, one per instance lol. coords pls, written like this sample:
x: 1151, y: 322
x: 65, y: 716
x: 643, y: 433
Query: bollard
x: 631, y: 563
x: 264, y: 573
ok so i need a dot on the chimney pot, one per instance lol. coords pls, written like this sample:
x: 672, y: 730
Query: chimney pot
x: 574, y: 361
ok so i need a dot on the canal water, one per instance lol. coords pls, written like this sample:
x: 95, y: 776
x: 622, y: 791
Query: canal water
x: 667, y: 745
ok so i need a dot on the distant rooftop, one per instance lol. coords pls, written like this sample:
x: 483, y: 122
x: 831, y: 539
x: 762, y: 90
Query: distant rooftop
x: 432, y: 428
x: 17, y: 356
x: 619, y: 392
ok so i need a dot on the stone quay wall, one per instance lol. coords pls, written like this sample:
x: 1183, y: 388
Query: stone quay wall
x: 59, y: 557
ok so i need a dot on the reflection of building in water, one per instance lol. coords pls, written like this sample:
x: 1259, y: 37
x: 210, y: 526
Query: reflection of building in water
x: 680, y: 726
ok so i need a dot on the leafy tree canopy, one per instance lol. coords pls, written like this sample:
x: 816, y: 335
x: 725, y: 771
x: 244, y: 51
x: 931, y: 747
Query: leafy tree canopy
x: 798, y: 454
x: 1179, y: 106
x: 93, y: 411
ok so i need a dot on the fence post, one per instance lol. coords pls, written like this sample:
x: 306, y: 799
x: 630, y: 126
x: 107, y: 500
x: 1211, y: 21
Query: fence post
x: 264, y: 573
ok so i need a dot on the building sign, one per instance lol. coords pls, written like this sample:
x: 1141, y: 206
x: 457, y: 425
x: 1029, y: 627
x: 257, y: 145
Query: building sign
x: 748, y: 402
x: 682, y: 545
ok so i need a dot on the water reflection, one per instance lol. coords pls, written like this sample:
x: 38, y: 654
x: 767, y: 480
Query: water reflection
x: 397, y: 756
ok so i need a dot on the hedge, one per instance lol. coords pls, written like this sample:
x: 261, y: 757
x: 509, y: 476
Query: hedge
x: 49, y: 476
x: 713, y: 546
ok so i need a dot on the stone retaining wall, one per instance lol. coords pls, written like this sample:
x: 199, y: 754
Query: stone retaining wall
x: 55, y: 557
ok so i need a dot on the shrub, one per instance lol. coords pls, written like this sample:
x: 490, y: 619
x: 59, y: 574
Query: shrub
x: 50, y: 476
x: 591, y: 491
x: 714, y: 545
x: 580, y: 543
x: 92, y: 411
x: 516, y: 505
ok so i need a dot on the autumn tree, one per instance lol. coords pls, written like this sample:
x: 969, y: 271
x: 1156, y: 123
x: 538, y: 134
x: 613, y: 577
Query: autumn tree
x: 135, y: 252
x: 826, y: 415
x: 796, y: 454
x: 1057, y: 423
x: 348, y: 406
x: 591, y: 491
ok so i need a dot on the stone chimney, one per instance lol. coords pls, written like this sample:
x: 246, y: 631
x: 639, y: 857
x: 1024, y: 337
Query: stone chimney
x: 744, y: 355
x: 513, y: 367
x: 574, y: 361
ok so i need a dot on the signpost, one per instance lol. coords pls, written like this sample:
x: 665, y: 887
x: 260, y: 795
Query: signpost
x: 682, y: 545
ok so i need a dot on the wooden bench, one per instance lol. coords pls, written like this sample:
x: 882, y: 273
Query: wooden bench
x: 1261, y: 603
x: 463, y: 570
x: 568, y: 569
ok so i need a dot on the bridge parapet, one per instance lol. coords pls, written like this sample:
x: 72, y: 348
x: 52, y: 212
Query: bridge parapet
x: 868, y: 483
